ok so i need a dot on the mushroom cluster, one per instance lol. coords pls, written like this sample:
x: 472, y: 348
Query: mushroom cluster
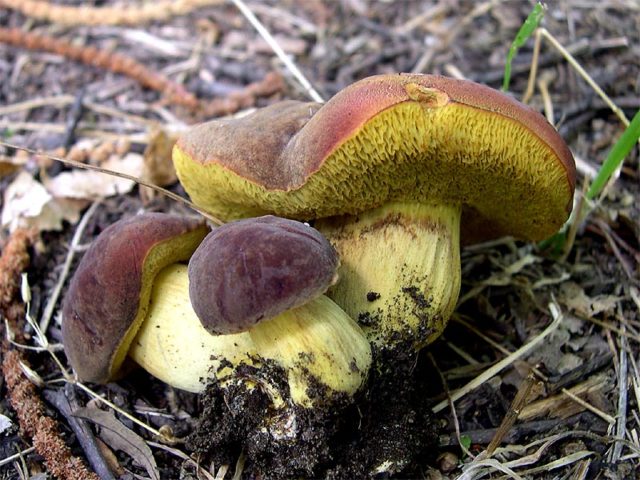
x: 252, y: 295
x: 397, y: 171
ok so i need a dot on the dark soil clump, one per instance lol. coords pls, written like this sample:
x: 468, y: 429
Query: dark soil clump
x: 386, y: 429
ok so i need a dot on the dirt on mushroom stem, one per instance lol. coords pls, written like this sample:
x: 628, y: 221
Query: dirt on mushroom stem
x: 388, y: 427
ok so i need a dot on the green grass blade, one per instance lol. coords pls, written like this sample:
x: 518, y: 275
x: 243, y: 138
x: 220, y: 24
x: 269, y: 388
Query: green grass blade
x: 526, y: 30
x: 616, y: 156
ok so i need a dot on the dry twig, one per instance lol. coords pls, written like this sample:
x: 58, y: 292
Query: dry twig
x: 21, y: 392
x: 14, y: 260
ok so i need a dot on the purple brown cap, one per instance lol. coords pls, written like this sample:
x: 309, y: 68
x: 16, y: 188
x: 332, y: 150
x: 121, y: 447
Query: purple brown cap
x: 252, y: 270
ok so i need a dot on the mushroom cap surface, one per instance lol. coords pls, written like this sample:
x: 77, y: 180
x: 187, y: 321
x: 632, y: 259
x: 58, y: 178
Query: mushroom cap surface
x: 109, y: 293
x: 403, y: 137
x: 255, y: 269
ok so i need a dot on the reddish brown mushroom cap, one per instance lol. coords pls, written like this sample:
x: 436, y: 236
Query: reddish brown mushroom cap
x: 109, y: 292
x: 422, y: 138
x: 255, y: 269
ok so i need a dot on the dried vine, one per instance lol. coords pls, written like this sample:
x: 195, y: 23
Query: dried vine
x: 112, y: 15
x: 24, y: 398
x: 114, y: 62
x: 122, y: 64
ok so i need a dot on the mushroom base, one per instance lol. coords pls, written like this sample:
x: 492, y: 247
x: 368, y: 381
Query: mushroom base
x: 316, y: 344
x: 400, y: 274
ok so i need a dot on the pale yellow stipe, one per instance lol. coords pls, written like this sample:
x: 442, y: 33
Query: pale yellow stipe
x: 400, y: 273
x: 173, y: 346
x: 316, y: 344
x: 320, y: 341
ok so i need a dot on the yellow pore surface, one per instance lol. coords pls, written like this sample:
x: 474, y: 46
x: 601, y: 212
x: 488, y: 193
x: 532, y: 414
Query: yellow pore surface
x: 493, y: 166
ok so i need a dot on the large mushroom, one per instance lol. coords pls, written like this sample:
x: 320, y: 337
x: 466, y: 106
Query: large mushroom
x: 398, y: 169
x: 257, y: 285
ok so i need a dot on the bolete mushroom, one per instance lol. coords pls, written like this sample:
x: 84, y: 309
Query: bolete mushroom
x: 108, y: 296
x: 278, y: 268
x: 396, y: 168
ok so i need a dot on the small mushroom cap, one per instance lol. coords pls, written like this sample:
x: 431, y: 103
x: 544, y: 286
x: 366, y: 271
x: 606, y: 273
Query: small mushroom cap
x: 407, y: 137
x: 109, y: 293
x: 256, y: 269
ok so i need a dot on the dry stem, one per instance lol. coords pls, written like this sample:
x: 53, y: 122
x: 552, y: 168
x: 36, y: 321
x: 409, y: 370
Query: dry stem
x: 114, y: 62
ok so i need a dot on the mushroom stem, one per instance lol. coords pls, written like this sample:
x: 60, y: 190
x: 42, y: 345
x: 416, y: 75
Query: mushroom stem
x: 316, y: 345
x: 400, y: 274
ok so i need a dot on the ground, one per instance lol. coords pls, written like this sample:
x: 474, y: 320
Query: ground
x: 567, y: 408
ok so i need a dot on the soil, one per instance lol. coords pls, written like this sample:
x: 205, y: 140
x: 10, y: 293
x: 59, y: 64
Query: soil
x: 390, y: 430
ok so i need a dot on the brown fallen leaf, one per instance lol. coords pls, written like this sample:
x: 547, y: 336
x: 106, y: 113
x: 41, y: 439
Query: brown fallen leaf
x: 119, y: 437
x: 10, y: 165
x: 158, y: 166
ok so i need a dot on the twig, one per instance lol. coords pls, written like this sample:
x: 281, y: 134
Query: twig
x: 124, y: 14
x: 80, y: 427
x: 496, y: 345
x: 75, y: 114
x: 174, y: 92
x: 16, y: 456
x: 512, y: 414
x: 277, y: 49
x: 182, y: 456
x: 502, y: 364
x: 621, y: 425
x: 75, y: 241
x: 452, y: 407
x: 606, y: 417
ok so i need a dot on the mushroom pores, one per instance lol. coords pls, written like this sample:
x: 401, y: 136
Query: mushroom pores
x: 403, y: 138
x: 252, y: 270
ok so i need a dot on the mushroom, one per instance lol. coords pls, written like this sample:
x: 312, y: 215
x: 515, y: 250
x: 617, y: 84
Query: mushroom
x: 108, y: 297
x: 396, y: 170
x: 278, y: 268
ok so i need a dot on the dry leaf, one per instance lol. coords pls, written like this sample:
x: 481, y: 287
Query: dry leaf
x: 28, y: 204
x: 577, y: 300
x: 92, y: 185
x: 9, y: 165
x: 158, y: 166
x: 119, y: 437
